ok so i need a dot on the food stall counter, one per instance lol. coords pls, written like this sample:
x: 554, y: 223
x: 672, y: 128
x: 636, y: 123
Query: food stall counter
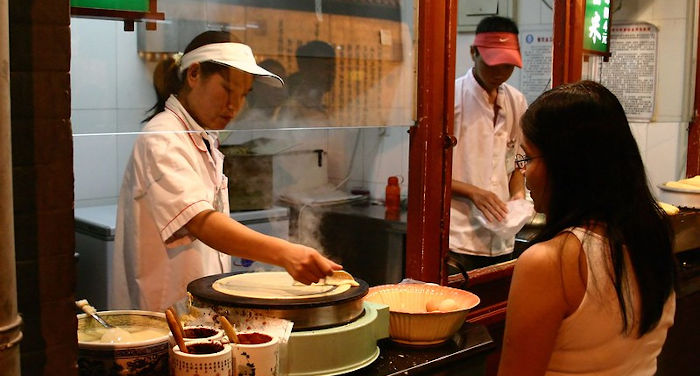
x: 464, y: 354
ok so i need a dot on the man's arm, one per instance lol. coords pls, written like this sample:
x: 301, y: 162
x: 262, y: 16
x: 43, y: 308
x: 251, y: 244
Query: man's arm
x: 516, y: 185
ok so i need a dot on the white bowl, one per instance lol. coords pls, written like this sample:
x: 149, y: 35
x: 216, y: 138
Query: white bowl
x: 409, y: 320
x: 140, y: 357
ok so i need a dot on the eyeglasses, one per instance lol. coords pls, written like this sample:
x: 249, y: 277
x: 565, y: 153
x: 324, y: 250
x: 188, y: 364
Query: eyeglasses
x: 521, y: 161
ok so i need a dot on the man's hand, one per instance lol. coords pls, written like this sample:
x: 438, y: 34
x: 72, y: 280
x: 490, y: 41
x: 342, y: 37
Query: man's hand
x: 493, y: 208
x: 486, y: 201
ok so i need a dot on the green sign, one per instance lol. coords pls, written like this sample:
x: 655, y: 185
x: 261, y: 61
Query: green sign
x: 125, y: 5
x: 596, y: 27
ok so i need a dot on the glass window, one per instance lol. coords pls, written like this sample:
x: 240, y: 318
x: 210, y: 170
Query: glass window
x: 335, y: 132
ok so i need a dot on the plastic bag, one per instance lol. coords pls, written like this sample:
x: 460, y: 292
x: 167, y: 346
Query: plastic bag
x: 520, y: 212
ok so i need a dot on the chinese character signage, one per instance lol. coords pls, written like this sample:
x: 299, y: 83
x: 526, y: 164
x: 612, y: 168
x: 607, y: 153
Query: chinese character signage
x: 125, y: 5
x: 596, y: 27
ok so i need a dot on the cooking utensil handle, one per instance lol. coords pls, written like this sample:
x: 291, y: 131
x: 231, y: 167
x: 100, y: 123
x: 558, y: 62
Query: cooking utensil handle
x: 176, y: 329
x: 90, y: 310
x: 229, y: 329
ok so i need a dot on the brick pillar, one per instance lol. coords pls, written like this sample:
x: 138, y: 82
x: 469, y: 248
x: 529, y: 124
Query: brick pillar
x: 42, y: 158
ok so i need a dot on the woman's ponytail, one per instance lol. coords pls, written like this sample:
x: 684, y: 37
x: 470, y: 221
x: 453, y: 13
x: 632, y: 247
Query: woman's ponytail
x: 166, y: 81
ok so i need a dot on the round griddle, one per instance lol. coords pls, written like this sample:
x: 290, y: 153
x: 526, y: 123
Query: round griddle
x: 306, y: 313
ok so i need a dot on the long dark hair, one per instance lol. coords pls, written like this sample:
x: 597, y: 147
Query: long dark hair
x: 595, y: 175
x: 167, y: 81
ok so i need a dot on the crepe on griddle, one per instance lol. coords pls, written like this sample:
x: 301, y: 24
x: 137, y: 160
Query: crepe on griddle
x: 273, y: 285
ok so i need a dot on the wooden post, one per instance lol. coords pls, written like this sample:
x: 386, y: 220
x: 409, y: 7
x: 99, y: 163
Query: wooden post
x: 693, y: 158
x: 567, y: 55
x: 430, y: 160
x: 10, y: 322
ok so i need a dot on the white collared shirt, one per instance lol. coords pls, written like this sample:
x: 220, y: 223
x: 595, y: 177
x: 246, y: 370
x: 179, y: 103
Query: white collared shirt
x: 485, y: 157
x: 170, y: 178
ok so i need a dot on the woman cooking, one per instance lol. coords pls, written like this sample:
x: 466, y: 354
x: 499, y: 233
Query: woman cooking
x: 173, y: 223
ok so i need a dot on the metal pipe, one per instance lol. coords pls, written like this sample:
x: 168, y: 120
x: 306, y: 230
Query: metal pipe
x: 10, y: 322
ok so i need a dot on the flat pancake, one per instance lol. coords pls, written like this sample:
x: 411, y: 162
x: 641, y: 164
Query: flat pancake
x: 273, y: 285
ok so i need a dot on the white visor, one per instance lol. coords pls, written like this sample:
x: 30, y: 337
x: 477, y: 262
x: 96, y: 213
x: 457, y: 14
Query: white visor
x: 235, y: 55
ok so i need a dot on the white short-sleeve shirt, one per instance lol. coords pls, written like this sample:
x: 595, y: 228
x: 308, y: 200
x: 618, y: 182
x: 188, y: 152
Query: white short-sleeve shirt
x: 172, y: 176
x: 485, y: 157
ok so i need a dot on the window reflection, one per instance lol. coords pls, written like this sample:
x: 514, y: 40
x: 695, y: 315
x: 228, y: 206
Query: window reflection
x: 350, y: 73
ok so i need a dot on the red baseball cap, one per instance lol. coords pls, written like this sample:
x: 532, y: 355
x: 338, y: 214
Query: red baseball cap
x: 499, y: 48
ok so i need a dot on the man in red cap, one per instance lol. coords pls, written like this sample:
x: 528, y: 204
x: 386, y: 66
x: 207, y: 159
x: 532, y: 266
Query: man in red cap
x: 487, y: 117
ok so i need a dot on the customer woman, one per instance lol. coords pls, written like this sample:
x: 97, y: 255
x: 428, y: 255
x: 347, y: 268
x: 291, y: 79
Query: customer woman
x: 594, y: 295
x: 173, y: 223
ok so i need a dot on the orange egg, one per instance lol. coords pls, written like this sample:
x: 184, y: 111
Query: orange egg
x: 447, y: 305
x: 432, y: 305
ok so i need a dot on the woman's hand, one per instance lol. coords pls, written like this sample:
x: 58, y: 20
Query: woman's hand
x: 306, y: 265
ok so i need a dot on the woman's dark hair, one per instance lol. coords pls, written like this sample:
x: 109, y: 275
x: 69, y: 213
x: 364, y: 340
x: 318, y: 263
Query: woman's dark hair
x: 167, y: 81
x: 496, y: 24
x: 595, y: 175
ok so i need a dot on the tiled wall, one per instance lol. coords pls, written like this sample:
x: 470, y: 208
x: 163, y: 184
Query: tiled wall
x: 112, y: 89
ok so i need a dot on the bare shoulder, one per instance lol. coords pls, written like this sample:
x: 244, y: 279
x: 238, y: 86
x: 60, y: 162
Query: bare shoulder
x: 552, y: 252
x: 557, y: 261
x: 560, y: 263
x: 539, y: 255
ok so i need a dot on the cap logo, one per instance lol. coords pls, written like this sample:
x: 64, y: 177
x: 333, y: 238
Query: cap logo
x: 498, y: 48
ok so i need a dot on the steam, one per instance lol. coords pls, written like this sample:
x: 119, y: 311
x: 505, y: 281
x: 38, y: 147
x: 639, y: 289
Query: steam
x: 309, y: 229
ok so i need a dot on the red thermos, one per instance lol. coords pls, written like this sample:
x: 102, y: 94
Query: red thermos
x: 392, y: 200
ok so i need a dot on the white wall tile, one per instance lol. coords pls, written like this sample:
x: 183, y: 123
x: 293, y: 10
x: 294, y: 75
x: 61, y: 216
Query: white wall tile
x: 95, y: 167
x: 131, y: 119
x: 463, y: 59
x: 345, y: 155
x: 662, y: 152
x: 93, y: 64
x: 632, y: 10
x: 134, y: 76
x: 639, y: 131
x: 383, y: 154
x: 669, y: 9
x: 671, y: 62
x: 89, y: 121
x: 128, y: 124
x: 533, y: 12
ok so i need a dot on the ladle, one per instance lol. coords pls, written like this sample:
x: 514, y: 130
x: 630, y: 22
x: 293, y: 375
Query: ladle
x: 228, y: 328
x: 113, y: 334
x: 90, y: 310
